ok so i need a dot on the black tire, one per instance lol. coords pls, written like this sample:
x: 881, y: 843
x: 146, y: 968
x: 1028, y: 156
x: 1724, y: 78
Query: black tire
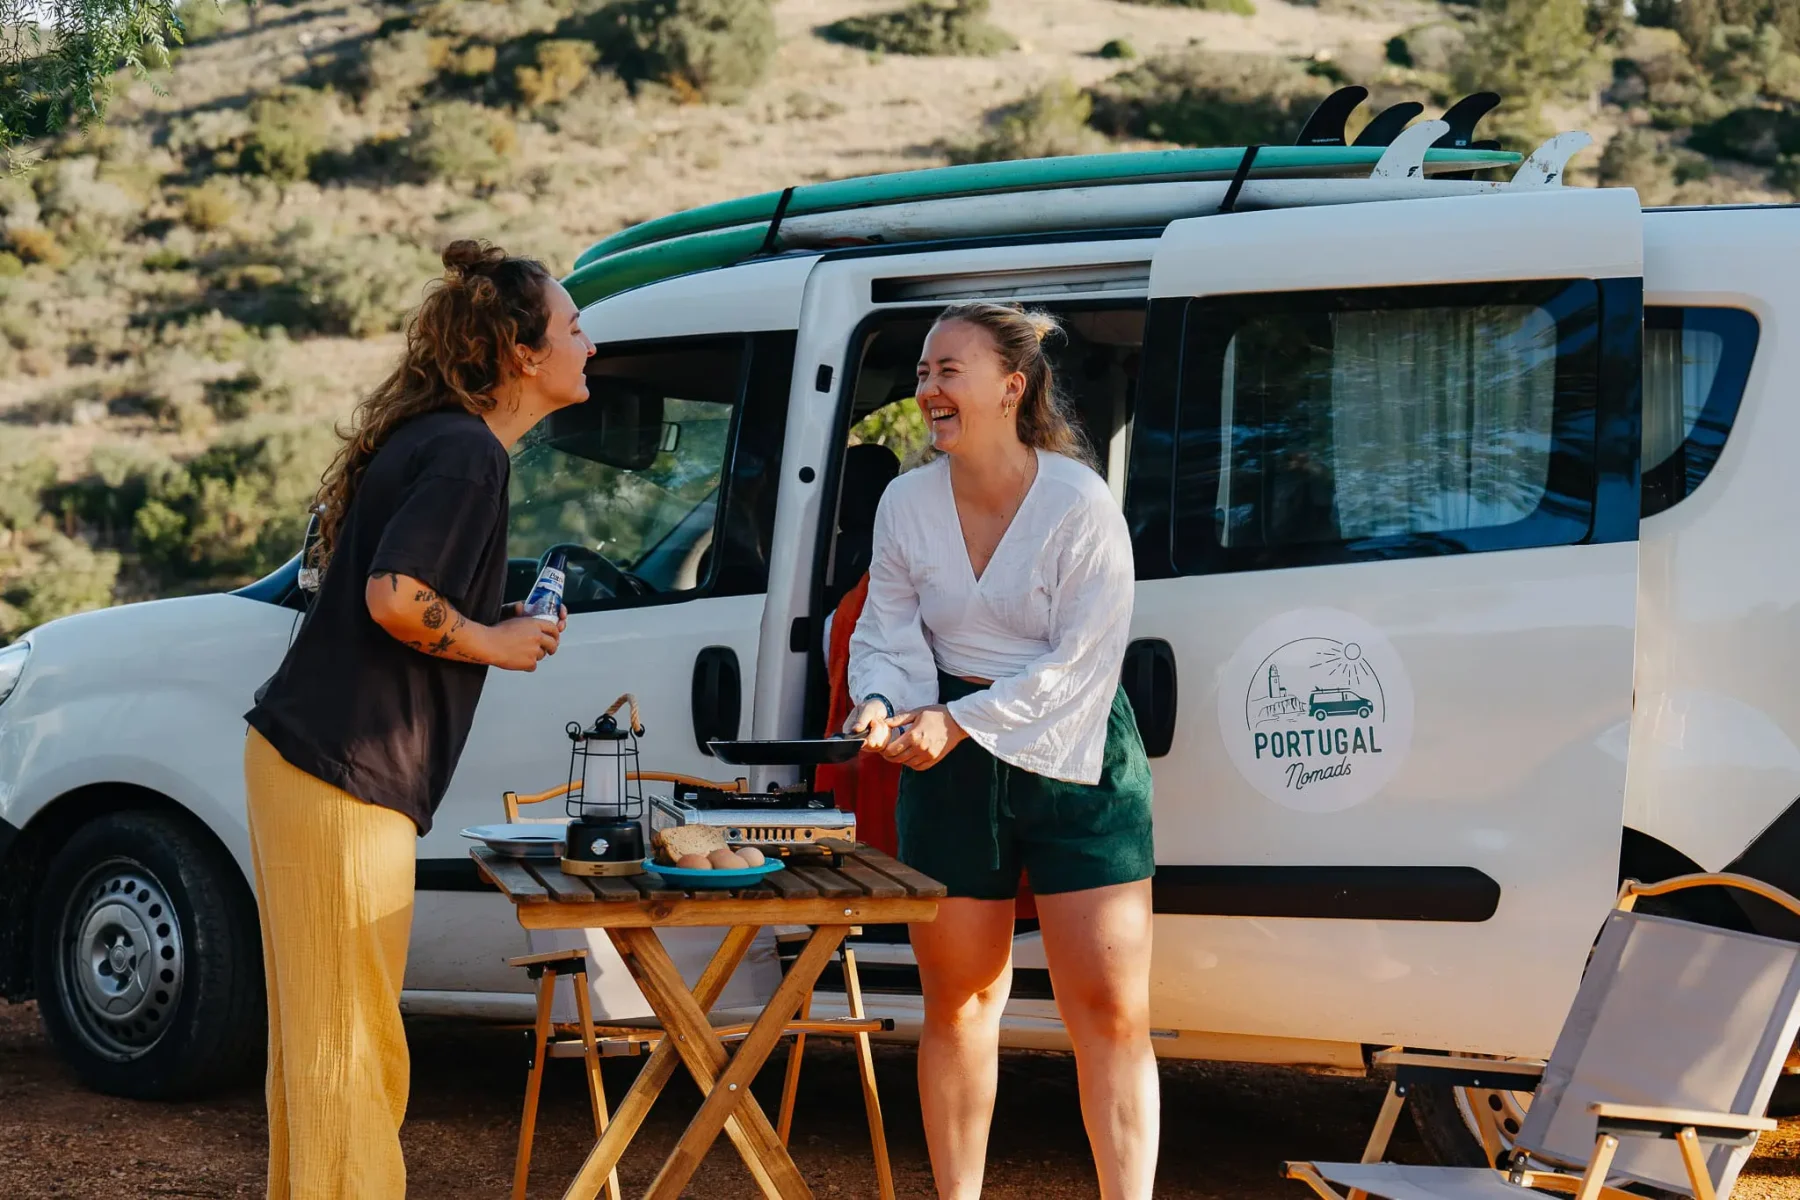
x: 148, y: 959
x: 1442, y: 1127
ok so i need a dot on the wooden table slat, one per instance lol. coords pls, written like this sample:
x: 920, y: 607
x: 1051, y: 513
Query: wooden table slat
x: 614, y: 888
x: 790, y: 886
x: 565, y: 889
x: 870, y: 880
x: 827, y: 882
x: 511, y: 877
x: 650, y: 885
x: 915, y: 883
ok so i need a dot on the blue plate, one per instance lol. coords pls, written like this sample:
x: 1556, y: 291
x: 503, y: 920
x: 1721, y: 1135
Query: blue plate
x: 688, y: 877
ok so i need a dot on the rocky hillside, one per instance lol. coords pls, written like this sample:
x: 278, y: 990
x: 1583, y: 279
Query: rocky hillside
x: 192, y: 294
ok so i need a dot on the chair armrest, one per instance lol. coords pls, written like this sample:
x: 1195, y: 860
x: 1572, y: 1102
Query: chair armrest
x: 1519, y: 1075
x: 1648, y: 1121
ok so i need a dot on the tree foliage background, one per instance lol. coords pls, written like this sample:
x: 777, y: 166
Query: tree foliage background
x: 58, y: 58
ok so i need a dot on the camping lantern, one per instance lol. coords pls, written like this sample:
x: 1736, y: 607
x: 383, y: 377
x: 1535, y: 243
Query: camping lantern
x: 605, y: 801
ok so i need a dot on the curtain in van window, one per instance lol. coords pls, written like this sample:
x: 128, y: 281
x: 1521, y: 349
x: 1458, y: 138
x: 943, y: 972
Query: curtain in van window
x: 1440, y: 418
x: 1679, y: 368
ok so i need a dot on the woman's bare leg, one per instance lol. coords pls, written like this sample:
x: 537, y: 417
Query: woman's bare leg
x: 1098, y: 946
x: 965, y: 971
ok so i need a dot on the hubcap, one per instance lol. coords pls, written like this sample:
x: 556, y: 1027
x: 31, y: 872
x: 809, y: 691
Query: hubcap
x: 121, y: 960
x: 1494, y: 1117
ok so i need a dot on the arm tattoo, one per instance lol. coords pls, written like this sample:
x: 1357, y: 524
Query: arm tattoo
x: 435, y: 614
x: 392, y: 577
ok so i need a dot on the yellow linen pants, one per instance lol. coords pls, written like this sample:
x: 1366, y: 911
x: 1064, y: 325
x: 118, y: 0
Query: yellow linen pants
x: 334, y: 883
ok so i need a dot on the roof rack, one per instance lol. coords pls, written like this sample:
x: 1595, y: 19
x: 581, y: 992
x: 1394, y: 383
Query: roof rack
x: 1143, y: 189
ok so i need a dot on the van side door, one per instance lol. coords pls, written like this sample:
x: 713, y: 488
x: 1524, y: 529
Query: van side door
x: 1384, y: 496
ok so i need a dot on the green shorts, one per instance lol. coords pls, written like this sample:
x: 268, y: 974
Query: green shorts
x: 974, y: 823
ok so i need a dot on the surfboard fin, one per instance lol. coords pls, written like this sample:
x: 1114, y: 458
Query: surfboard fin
x: 1463, y: 116
x: 1326, y: 125
x: 1387, y: 124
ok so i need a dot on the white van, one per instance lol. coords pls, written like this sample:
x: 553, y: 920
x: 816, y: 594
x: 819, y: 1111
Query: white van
x: 1463, y: 591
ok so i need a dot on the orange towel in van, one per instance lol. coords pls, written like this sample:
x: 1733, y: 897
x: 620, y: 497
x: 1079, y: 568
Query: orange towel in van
x: 868, y: 784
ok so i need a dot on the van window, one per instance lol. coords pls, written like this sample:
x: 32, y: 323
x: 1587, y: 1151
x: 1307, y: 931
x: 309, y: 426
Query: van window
x: 1696, y: 362
x: 632, y: 482
x: 1340, y: 426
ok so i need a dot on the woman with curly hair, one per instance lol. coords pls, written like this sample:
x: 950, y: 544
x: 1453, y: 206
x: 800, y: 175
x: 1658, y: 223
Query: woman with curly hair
x: 353, y: 741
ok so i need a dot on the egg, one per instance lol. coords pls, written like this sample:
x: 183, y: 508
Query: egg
x: 725, y: 860
x: 694, y: 862
x: 752, y: 856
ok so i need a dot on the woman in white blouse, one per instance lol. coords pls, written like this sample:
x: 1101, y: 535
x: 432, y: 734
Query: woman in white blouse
x: 987, y: 661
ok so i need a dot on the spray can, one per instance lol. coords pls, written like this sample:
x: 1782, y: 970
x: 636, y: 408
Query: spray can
x: 545, y: 601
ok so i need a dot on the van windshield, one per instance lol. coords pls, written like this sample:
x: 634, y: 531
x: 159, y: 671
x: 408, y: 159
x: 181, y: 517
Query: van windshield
x: 634, y: 473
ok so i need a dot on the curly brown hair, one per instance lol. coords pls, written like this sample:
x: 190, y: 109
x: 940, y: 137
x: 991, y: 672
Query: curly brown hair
x: 459, y: 348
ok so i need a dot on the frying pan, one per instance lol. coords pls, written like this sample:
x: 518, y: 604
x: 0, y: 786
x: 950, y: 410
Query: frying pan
x: 791, y: 752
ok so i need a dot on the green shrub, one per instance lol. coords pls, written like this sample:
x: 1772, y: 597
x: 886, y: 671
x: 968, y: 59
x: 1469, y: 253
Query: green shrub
x: 1119, y: 48
x: 1199, y: 98
x: 1243, y: 8
x: 361, y: 287
x: 238, y: 509
x: 289, y: 127
x: 1785, y: 176
x: 35, y: 244
x: 396, y: 69
x: 1753, y: 135
x: 473, y: 61
x: 11, y: 265
x: 23, y: 484
x: 702, y: 49
x: 73, y: 197
x: 460, y: 141
x: 1050, y: 122
x: 1530, y: 52
x: 1398, y: 52
x: 562, y: 66
x: 202, y: 19
x: 53, y: 577
x: 926, y: 27
x: 495, y: 21
x: 212, y: 205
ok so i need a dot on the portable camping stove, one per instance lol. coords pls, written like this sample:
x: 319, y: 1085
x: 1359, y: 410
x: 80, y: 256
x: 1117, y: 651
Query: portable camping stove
x: 605, y: 799
x: 778, y: 821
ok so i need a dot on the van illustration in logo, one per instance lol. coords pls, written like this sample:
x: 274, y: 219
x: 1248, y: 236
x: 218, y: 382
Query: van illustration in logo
x: 1335, y: 702
x: 1317, y: 724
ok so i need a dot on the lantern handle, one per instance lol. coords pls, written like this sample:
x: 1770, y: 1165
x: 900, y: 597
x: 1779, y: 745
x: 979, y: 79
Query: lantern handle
x: 637, y: 726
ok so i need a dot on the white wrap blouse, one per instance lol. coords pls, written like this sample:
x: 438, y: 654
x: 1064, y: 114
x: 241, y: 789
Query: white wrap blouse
x: 1048, y: 620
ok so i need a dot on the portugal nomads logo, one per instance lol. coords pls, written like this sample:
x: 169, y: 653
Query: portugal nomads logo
x: 1316, y: 710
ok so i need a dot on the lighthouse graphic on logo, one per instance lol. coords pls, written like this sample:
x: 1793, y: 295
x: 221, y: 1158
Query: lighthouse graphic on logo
x: 1332, y: 680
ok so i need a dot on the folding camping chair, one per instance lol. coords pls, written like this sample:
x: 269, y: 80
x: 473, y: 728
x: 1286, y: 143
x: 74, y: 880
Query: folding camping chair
x: 1660, y: 1076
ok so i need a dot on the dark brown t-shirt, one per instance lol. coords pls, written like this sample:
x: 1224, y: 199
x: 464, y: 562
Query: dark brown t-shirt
x: 350, y: 704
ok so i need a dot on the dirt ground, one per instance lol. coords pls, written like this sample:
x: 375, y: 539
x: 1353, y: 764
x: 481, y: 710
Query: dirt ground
x: 1224, y: 1128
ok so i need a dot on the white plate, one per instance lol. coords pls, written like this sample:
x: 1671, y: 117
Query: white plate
x: 522, y: 840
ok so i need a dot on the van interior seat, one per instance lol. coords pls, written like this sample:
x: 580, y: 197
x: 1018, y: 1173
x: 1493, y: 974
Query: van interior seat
x: 868, y: 469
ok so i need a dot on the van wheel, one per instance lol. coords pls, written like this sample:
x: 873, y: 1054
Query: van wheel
x: 148, y: 959
x: 1450, y: 1121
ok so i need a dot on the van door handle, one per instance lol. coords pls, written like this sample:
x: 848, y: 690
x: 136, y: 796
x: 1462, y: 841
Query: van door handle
x: 718, y: 696
x: 1149, y: 679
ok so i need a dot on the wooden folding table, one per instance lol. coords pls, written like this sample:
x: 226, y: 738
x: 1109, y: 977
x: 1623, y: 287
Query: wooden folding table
x: 866, y: 887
